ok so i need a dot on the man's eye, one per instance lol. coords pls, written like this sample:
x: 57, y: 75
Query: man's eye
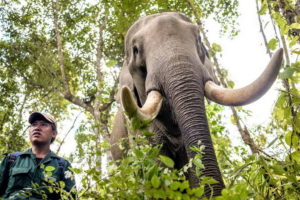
x: 44, y: 124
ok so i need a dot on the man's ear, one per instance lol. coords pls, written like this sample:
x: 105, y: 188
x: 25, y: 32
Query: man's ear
x: 54, y: 134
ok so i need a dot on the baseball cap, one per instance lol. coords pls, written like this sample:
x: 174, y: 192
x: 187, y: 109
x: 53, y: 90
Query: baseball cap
x: 41, y: 116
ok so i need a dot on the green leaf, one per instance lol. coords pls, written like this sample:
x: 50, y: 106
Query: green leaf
x: 297, y: 122
x: 209, y: 180
x: 263, y: 10
x: 175, y: 185
x: 232, y: 119
x: 184, y: 185
x: 272, y: 142
x: 230, y: 84
x: 167, y: 161
x: 50, y: 189
x: 49, y: 168
x: 293, y: 42
x: 185, y: 197
x: 155, y: 181
x: 111, y: 63
x: 278, y: 169
x: 272, y: 44
x: 292, y: 139
x: 288, y: 73
x: 138, y: 153
x: 296, y: 156
x: 148, y: 133
x: 62, y: 184
x: 198, y: 163
x: 216, y: 48
x: 295, y: 26
x: 296, y: 51
x: 199, y: 191
x: 152, y: 171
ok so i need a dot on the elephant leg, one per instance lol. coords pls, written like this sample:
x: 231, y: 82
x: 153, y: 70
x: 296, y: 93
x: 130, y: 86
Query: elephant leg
x: 119, y: 135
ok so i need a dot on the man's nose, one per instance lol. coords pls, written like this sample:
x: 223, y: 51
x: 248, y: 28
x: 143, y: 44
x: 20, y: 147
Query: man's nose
x: 37, y: 127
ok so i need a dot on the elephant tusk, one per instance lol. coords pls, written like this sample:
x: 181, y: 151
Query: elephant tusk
x: 149, y: 110
x: 249, y: 93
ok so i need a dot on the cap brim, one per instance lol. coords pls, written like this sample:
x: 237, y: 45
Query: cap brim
x: 38, y: 116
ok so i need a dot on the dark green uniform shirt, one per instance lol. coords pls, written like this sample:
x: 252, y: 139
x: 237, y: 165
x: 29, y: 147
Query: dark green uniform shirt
x: 28, y: 180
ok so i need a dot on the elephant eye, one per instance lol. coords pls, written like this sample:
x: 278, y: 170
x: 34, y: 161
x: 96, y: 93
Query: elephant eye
x: 135, y: 50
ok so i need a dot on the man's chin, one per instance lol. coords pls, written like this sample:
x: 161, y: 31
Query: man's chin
x: 39, y: 143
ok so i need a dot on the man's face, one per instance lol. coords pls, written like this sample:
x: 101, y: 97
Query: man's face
x: 41, y: 132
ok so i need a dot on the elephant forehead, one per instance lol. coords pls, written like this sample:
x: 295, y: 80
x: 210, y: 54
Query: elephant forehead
x: 158, y: 21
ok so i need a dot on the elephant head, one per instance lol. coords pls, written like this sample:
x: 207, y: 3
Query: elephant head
x: 165, y: 77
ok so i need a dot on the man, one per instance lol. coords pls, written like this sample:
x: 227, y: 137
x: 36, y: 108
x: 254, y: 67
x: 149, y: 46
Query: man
x: 37, y: 173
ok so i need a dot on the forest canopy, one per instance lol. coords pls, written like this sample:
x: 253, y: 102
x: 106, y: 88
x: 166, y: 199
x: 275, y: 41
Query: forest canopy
x: 64, y: 56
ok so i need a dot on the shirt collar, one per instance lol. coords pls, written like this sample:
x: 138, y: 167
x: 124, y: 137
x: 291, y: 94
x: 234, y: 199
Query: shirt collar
x: 29, y: 152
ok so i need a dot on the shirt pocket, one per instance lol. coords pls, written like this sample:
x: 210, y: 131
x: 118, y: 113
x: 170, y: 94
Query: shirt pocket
x: 20, y: 178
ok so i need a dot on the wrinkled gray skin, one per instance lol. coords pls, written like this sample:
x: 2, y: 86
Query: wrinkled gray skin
x: 164, y: 53
x: 167, y: 63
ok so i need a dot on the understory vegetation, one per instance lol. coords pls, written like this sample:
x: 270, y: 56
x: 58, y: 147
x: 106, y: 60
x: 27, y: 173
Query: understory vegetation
x: 64, y: 56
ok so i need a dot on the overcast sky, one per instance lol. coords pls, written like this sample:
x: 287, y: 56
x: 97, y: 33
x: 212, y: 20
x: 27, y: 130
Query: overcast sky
x: 245, y: 58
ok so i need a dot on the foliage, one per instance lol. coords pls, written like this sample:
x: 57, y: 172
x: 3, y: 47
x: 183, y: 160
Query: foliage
x: 31, y: 79
x: 144, y: 174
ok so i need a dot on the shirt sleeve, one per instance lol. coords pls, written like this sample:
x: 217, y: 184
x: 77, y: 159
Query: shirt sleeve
x: 3, y: 176
x: 69, y: 180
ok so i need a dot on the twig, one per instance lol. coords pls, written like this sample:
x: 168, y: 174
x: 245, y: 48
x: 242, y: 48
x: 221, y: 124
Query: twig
x: 262, y: 30
x: 66, y: 135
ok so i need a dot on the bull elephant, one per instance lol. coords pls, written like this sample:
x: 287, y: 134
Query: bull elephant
x: 164, y: 78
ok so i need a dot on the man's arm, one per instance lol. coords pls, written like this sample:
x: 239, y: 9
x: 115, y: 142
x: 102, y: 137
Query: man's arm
x: 3, y: 175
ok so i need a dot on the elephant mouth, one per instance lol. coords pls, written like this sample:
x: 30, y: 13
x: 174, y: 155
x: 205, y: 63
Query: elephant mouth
x: 148, y: 111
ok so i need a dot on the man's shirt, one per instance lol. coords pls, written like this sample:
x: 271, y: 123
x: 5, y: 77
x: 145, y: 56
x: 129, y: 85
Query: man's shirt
x: 27, y: 179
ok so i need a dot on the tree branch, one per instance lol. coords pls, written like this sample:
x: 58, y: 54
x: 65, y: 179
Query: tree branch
x: 22, y: 107
x: 272, y: 20
x: 262, y: 30
x: 75, y: 100
x: 67, y: 93
x: 219, y: 73
x: 112, y: 93
x: 245, y: 133
x: 66, y: 135
x: 98, y: 70
x: 99, y: 49
x: 60, y: 56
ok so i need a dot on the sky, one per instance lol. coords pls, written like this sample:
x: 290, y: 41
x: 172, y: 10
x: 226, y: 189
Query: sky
x: 245, y: 59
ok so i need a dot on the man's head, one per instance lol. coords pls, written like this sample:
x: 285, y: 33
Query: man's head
x: 43, y: 129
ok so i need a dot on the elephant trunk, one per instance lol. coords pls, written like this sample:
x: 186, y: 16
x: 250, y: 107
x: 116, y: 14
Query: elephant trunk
x: 184, y: 90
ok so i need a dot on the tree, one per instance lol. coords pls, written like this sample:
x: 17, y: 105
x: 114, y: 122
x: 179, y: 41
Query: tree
x: 58, y: 55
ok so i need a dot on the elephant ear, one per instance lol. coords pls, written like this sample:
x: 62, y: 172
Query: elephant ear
x: 124, y: 80
x: 204, y: 58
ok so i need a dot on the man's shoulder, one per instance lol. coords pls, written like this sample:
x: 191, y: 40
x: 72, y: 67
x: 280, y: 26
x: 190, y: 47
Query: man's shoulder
x: 15, y: 155
x: 61, y: 160
x: 18, y: 153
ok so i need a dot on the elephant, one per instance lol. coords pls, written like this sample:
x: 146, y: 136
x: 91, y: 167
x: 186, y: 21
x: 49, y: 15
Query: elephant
x: 164, y: 78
